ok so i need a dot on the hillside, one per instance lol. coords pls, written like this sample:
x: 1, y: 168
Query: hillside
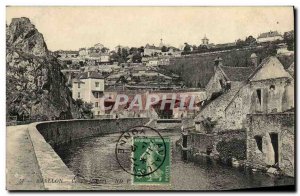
x: 35, y: 86
x: 196, y: 70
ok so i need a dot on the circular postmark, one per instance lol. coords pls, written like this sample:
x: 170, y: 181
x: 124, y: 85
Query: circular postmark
x: 140, y: 150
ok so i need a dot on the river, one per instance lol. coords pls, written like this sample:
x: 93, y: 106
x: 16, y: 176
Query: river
x: 93, y: 161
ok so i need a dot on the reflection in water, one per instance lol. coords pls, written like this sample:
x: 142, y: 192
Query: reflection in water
x: 93, y: 161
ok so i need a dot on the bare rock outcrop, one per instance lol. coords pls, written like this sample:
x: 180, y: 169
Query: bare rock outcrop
x: 35, y: 86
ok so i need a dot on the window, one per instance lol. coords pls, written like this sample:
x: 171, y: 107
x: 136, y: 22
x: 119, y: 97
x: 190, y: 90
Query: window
x: 272, y: 87
x: 258, y: 92
x: 78, y: 95
x: 96, y: 94
x: 258, y: 140
x: 97, y: 84
x: 96, y: 104
x: 221, y: 83
x: 78, y: 85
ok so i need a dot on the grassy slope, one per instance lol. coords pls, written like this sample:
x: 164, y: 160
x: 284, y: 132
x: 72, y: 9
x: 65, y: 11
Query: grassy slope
x: 197, y: 70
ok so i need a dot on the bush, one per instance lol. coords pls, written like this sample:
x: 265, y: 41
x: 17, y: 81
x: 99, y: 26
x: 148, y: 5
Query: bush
x: 234, y: 148
x: 209, y: 125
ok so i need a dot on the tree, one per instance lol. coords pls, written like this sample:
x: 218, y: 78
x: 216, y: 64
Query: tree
x: 288, y: 37
x: 114, y: 56
x: 133, y: 50
x: 124, y: 54
x: 187, y: 48
x: 271, y: 49
x: 84, y: 108
x: 120, y: 56
x: 104, y: 50
x: 195, y: 48
x: 141, y: 49
x: 123, y: 80
x: 240, y: 43
x: 250, y: 40
x: 164, y: 49
x: 137, y: 58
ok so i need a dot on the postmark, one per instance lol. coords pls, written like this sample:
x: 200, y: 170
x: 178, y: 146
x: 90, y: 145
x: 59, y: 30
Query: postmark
x: 142, y: 152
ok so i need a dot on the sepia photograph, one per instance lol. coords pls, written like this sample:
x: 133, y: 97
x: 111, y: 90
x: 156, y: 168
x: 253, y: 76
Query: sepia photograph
x: 162, y: 98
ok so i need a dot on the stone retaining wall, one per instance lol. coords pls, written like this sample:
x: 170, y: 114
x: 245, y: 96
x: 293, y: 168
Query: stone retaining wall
x: 65, y: 131
x: 167, y: 124
x: 46, y: 134
x: 202, y: 143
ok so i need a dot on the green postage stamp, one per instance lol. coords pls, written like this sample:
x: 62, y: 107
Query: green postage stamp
x: 151, y: 160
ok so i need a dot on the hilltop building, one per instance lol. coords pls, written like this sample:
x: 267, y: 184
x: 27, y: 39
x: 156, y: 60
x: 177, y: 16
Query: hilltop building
x: 269, y: 37
x: 151, y: 50
x: 205, y: 41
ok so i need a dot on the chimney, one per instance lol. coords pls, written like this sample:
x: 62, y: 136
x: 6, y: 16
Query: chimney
x: 254, y: 59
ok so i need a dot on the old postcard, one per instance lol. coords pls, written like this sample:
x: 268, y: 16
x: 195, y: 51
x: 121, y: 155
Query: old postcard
x: 150, y: 98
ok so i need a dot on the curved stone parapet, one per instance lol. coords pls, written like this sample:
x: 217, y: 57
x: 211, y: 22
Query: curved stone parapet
x: 58, y: 132
x: 44, y: 135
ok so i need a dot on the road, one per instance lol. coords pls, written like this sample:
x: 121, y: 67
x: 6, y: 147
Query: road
x: 22, y: 170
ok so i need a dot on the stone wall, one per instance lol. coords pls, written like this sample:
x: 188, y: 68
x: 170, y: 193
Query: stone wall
x: 167, y: 124
x: 263, y: 126
x: 246, y: 101
x: 58, y: 132
x: 201, y: 142
x: 46, y: 134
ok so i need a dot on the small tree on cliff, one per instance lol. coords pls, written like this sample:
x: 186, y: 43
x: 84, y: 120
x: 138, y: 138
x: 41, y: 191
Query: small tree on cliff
x: 84, y: 108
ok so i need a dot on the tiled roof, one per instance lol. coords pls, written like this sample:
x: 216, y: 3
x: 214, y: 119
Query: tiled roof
x: 236, y: 73
x: 220, y: 103
x: 291, y: 69
x: 264, y: 62
x: 68, y: 51
x: 90, y: 74
x: 269, y: 34
x: 151, y: 47
x: 94, y: 54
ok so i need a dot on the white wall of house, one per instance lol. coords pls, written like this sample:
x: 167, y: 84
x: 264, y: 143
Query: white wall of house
x: 269, y: 39
x: 89, y: 90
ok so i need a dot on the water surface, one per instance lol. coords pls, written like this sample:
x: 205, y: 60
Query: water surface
x: 93, y: 161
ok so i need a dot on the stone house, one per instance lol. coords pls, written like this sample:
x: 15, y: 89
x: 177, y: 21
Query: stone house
x: 267, y: 92
x: 269, y: 89
x: 220, y: 90
x: 225, y: 76
x: 270, y: 141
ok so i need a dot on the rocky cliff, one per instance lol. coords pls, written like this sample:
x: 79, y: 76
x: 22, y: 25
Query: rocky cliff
x: 35, y: 86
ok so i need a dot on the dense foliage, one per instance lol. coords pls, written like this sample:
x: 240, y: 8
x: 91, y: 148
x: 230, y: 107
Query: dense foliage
x: 234, y: 148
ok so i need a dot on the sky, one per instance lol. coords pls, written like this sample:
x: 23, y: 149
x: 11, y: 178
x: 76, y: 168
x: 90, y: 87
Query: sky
x: 71, y: 28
